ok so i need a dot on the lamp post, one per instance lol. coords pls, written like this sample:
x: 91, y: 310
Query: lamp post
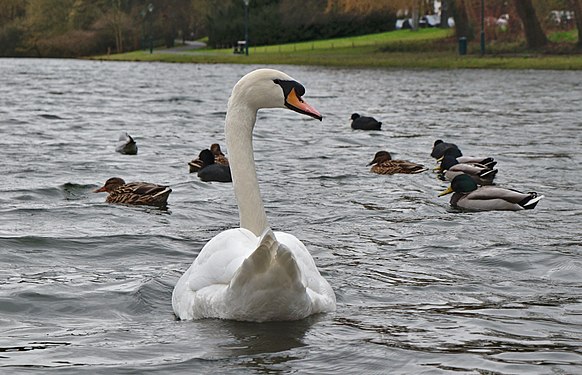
x: 246, y: 26
x: 482, y: 27
x: 151, y: 17
x: 143, y: 14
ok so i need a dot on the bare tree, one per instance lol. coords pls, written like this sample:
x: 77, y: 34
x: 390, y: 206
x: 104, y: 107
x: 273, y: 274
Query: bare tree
x: 534, y: 35
x: 458, y: 10
x: 577, y: 7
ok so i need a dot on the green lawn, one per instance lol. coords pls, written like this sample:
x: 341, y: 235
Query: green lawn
x: 426, y: 48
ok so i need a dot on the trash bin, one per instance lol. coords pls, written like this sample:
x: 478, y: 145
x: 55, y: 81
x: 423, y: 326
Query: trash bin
x: 462, y: 45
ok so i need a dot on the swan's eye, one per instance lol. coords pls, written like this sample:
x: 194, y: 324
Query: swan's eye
x: 287, y: 86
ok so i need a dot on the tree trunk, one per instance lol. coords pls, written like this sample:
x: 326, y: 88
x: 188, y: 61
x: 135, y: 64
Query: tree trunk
x: 577, y: 7
x: 459, y: 12
x: 415, y: 15
x: 534, y: 35
x: 444, y: 15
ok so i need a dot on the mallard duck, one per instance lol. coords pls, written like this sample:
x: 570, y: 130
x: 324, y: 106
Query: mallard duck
x: 196, y: 164
x: 439, y: 147
x: 126, y: 145
x: 383, y: 164
x: 467, y: 195
x: 212, y: 171
x: 450, y: 168
x: 365, y: 123
x: 218, y: 155
x: 138, y: 193
x: 457, y: 154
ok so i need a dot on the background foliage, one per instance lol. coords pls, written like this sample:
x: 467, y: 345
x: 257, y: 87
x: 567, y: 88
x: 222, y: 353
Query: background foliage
x: 69, y: 28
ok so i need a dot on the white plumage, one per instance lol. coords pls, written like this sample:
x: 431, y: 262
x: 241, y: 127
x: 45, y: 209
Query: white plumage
x: 252, y: 273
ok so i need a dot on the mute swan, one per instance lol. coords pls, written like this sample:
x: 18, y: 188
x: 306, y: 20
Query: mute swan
x: 383, y: 164
x: 467, y: 195
x: 252, y: 273
x: 140, y: 193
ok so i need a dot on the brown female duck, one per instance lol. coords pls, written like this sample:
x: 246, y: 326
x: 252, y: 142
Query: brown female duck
x: 219, y: 158
x: 138, y: 193
x: 383, y: 164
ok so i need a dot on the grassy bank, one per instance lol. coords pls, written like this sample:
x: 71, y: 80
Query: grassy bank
x: 427, y: 48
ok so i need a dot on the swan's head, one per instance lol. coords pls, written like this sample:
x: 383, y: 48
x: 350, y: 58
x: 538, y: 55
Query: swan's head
x: 269, y: 88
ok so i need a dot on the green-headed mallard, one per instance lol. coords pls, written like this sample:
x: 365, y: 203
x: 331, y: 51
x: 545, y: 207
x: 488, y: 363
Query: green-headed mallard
x: 138, y: 193
x: 365, y: 123
x: 457, y: 154
x: 450, y: 168
x: 439, y: 147
x: 196, y: 164
x: 383, y: 164
x: 467, y: 195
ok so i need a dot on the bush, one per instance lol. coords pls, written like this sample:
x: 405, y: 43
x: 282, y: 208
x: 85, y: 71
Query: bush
x: 74, y: 43
x: 10, y: 40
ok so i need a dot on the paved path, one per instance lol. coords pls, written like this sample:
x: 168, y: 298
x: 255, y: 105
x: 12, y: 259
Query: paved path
x: 188, y: 45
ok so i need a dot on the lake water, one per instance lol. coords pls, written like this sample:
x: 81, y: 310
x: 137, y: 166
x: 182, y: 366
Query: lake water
x: 85, y: 287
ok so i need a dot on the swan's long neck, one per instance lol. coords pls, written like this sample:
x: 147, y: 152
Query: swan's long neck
x: 240, y: 121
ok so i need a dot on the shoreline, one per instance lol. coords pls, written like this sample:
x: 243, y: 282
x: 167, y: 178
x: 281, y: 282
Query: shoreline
x: 424, y: 49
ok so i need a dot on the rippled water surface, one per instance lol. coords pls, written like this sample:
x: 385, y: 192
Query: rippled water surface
x: 85, y: 287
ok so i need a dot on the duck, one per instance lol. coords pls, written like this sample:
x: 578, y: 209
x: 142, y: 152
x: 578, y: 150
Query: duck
x: 439, y: 147
x: 136, y: 193
x: 210, y: 170
x: 219, y: 157
x: 450, y: 168
x: 126, y: 145
x: 365, y: 123
x: 455, y: 152
x: 253, y: 273
x: 467, y: 195
x: 383, y: 164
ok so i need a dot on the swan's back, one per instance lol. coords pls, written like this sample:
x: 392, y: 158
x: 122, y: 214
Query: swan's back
x: 261, y: 279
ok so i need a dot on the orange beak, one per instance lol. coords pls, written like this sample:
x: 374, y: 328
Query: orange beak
x: 297, y: 104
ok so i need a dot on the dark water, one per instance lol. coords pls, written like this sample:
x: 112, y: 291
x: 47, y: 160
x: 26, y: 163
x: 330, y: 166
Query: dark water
x: 85, y: 287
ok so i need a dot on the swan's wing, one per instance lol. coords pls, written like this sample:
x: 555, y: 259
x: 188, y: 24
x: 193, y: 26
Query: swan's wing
x: 281, y: 281
x: 221, y: 257
x: 207, y: 279
x: 269, y: 266
x: 321, y: 293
